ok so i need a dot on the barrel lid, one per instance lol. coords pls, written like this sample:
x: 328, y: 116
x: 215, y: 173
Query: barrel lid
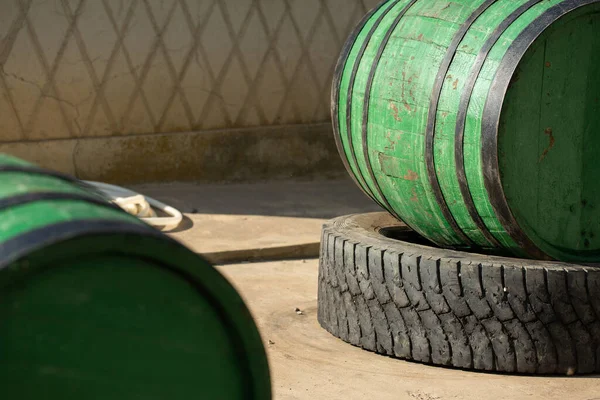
x: 108, y: 309
x: 548, y: 138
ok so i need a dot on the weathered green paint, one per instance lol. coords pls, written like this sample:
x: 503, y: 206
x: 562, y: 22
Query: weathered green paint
x: 550, y: 122
x: 399, y: 104
x: 360, y: 84
x: 350, y: 146
x: 117, y: 315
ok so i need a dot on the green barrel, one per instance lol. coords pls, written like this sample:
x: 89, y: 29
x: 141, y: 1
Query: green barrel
x: 94, y: 304
x: 476, y: 121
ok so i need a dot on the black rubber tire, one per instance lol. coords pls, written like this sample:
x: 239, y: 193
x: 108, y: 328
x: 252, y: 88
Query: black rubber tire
x: 453, y: 308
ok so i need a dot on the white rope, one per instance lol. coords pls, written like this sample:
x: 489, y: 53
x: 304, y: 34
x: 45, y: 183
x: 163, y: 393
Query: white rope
x: 141, y: 206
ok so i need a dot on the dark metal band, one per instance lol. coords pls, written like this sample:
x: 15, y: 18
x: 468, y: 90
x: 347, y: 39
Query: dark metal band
x: 359, y: 57
x: 491, y: 120
x: 33, y: 170
x: 20, y: 246
x: 27, y: 198
x: 335, y: 94
x: 365, y: 122
x: 461, y: 119
x: 432, y: 118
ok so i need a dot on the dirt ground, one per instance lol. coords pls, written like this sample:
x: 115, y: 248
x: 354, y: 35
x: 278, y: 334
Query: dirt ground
x: 308, y: 363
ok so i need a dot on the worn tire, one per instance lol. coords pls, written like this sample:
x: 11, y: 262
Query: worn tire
x: 453, y: 308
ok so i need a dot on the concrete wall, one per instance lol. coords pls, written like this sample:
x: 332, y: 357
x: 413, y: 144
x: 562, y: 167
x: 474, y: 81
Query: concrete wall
x: 80, y: 79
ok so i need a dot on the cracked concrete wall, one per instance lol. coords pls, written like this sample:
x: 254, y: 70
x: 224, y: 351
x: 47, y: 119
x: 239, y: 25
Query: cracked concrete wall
x: 71, y: 70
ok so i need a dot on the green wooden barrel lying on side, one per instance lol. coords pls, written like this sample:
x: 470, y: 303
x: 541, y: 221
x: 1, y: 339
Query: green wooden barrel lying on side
x: 477, y: 122
x: 94, y: 304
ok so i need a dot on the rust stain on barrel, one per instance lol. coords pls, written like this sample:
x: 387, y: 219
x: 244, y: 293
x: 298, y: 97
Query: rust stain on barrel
x: 548, y: 132
x: 411, y: 176
x: 455, y: 84
x: 395, y: 110
x: 414, y: 197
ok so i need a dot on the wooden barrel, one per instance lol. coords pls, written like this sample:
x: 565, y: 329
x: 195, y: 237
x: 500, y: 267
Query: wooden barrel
x: 474, y: 121
x: 94, y: 304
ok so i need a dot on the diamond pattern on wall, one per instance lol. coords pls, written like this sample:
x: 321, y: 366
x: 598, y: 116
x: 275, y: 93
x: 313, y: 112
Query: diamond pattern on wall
x: 91, y: 68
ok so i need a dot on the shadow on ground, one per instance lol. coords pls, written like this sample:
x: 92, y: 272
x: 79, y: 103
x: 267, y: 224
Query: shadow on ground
x: 233, y: 223
x: 320, y: 199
